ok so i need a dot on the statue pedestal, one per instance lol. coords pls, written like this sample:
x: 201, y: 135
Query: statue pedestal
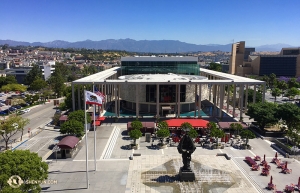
x: 186, y: 175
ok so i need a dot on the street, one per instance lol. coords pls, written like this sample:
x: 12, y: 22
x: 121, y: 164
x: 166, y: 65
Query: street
x: 39, y: 116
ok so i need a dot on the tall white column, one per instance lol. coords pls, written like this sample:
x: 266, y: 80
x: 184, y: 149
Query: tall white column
x: 246, y: 99
x: 254, y: 94
x: 234, y: 100
x: 264, y: 92
x: 73, y: 98
x: 79, y: 98
x: 119, y: 107
x: 116, y: 102
x: 221, y: 100
x: 196, y: 93
x: 214, y: 99
x: 228, y: 97
x: 199, y: 100
x: 178, y: 108
x: 241, y: 101
x: 157, y: 100
x: 137, y: 100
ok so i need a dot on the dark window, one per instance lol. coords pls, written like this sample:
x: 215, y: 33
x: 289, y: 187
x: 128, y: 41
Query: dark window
x: 281, y: 66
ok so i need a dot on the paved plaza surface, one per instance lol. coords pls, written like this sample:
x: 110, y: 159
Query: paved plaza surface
x: 155, y: 170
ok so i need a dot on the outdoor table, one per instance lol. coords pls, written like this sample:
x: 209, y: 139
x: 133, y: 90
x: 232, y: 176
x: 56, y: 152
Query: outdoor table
x: 271, y: 186
x: 265, y: 172
x: 289, y: 188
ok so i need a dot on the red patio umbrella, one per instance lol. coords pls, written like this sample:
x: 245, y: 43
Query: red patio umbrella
x: 276, y: 155
x: 271, y: 180
x: 285, y: 165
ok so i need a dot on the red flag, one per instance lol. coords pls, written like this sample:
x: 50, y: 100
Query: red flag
x: 100, y: 94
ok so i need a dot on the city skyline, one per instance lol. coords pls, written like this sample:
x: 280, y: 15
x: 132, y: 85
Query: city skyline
x: 197, y: 22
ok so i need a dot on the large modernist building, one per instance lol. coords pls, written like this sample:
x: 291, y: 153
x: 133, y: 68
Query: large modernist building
x: 242, y: 63
x: 162, y: 85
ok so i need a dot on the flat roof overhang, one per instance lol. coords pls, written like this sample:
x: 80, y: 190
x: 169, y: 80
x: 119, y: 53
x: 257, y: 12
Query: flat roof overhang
x: 100, y: 78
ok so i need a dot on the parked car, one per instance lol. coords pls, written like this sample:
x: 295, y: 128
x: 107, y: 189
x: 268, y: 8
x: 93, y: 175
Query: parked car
x: 12, y: 109
x: 5, y: 112
x: 26, y: 110
x: 17, y: 106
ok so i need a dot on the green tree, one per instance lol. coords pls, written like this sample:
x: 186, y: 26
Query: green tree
x: 13, y: 87
x: 290, y: 113
x: 273, y: 80
x: 57, y: 81
x: 292, y: 92
x: 163, y: 133
x: 215, y: 67
x: 282, y: 85
x: 211, y: 125
x: 33, y: 74
x: 10, y: 79
x: 186, y: 125
x: 72, y: 127
x: 62, y: 106
x: 193, y: 133
x: 135, y: 134
x: 27, y: 165
x: 55, y: 119
x: 275, y: 93
x: 10, y: 127
x: 162, y: 125
x: 38, y: 84
x: 217, y: 133
x: 236, y: 127
x: 136, y: 124
x: 292, y: 83
x: 79, y: 115
x: 266, y: 79
x: 247, y: 134
x: 263, y: 113
x: 22, y: 122
x: 258, y: 97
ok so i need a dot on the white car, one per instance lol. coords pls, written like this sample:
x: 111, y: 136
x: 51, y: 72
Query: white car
x: 27, y: 110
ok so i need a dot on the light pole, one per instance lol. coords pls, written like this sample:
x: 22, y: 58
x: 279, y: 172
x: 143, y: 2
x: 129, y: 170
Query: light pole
x: 56, y: 149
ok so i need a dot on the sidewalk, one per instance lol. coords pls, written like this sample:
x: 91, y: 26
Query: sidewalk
x: 25, y: 137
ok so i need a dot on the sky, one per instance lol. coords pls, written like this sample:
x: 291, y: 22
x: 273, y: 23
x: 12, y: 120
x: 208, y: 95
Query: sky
x: 258, y: 22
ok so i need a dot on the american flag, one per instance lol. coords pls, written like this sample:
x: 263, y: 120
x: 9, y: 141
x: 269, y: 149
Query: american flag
x: 100, y: 94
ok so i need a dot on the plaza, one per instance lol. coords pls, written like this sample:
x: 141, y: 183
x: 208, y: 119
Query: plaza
x: 117, y: 173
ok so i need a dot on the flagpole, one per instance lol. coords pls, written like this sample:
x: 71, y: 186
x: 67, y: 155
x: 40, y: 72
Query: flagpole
x: 86, y: 143
x: 95, y: 162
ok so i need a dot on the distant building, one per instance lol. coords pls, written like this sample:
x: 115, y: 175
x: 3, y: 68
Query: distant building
x: 242, y: 63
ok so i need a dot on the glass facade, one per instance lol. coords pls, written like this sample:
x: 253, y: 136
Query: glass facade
x: 167, y: 93
x: 160, y: 67
x: 279, y: 65
x: 291, y: 52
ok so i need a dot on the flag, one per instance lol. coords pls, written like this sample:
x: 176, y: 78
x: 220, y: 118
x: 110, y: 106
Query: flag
x: 100, y: 94
x: 92, y: 99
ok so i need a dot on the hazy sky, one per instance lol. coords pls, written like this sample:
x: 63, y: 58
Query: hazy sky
x: 258, y: 22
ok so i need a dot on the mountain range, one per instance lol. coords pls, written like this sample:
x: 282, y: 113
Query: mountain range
x: 130, y: 45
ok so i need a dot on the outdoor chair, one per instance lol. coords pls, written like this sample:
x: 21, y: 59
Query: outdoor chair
x: 289, y: 188
x: 287, y: 171
x: 257, y: 158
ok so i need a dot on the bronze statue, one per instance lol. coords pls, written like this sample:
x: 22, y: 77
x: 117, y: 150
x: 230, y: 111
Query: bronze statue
x: 186, y: 147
